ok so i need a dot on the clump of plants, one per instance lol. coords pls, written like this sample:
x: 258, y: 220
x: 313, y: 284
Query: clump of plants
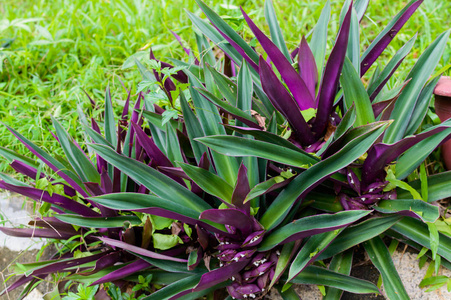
x: 241, y: 172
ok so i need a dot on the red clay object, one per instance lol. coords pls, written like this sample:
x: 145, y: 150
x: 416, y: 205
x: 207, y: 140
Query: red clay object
x: 442, y: 93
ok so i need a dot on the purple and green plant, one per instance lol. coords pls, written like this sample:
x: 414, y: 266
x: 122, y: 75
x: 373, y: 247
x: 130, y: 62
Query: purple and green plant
x: 247, y: 171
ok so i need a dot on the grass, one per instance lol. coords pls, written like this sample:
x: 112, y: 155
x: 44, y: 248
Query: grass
x: 50, y: 51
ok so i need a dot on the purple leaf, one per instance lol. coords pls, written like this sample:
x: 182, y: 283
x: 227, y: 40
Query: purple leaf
x: 180, y: 217
x: 25, y: 169
x: 382, y: 84
x: 37, y: 233
x: 105, y: 180
x: 65, y: 264
x: 353, y: 181
x: 56, y: 199
x: 229, y: 216
x: 53, y: 223
x: 21, y: 281
x: 331, y: 77
x: 187, y: 50
x: 101, y: 163
x: 204, y: 163
x: 379, y: 107
x: 139, y: 250
x: 219, y: 275
x: 380, y: 155
x: 40, y: 153
x: 295, y: 84
x: 241, y: 189
x: 386, y: 37
x: 151, y: 149
x: 130, y: 269
x: 179, y: 39
x: 284, y: 103
x: 307, y: 67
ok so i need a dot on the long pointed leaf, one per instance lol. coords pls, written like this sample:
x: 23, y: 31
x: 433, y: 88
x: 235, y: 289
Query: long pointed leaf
x: 321, y: 276
x: 155, y: 181
x: 310, y: 251
x: 355, y: 93
x: 377, y: 85
x: 237, y: 146
x: 418, y: 232
x: 309, y: 226
x: 386, y: 36
x: 306, y: 181
x: 418, y: 76
x: 318, y: 42
x: 330, y: 80
x: 274, y: 29
x: 340, y: 264
x: 294, y: 82
x: 381, y: 258
x: 284, y: 103
x: 209, y: 182
x: 412, y: 208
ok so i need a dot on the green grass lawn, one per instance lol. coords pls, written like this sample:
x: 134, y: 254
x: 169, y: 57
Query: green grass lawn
x: 51, y: 50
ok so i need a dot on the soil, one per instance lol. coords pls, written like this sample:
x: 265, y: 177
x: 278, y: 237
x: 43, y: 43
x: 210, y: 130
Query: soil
x: 8, y: 258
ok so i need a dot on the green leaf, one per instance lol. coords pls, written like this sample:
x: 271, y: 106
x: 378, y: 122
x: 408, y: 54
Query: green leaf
x: 210, y: 120
x: 320, y: 276
x: 172, y: 144
x: 422, y: 106
x: 311, y: 226
x: 262, y: 188
x: 96, y: 137
x: 76, y: 157
x: 165, y: 241
x: 226, y: 87
x: 434, y: 239
x: 401, y: 184
x: 11, y: 155
x: 424, y: 182
x: 437, y: 187
x: 318, y: 42
x: 418, y: 77
x: 219, y: 23
x: 355, y: 93
x: 287, y: 293
x: 359, y: 233
x: 193, y: 128
x: 418, y: 232
x: 209, y: 182
x: 286, y: 254
x: 135, y: 201
x: 310, y: 250
x: 341, y: 264
x: 353, y: 49
x: 110, y: 124
x: 381, y: 259
x: 156, y: 182
x: 245, y: 89
x: 104, y: 222
x: 274, y: 29
x: 59, y: 166
x: 392, y: 65
x: 427, y: 212
x: 173, y: 289
x: 215, y: 37
x: 413, y: 157
x: 312, y: 176
x: 237, y: 146
x: 226, y: 106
